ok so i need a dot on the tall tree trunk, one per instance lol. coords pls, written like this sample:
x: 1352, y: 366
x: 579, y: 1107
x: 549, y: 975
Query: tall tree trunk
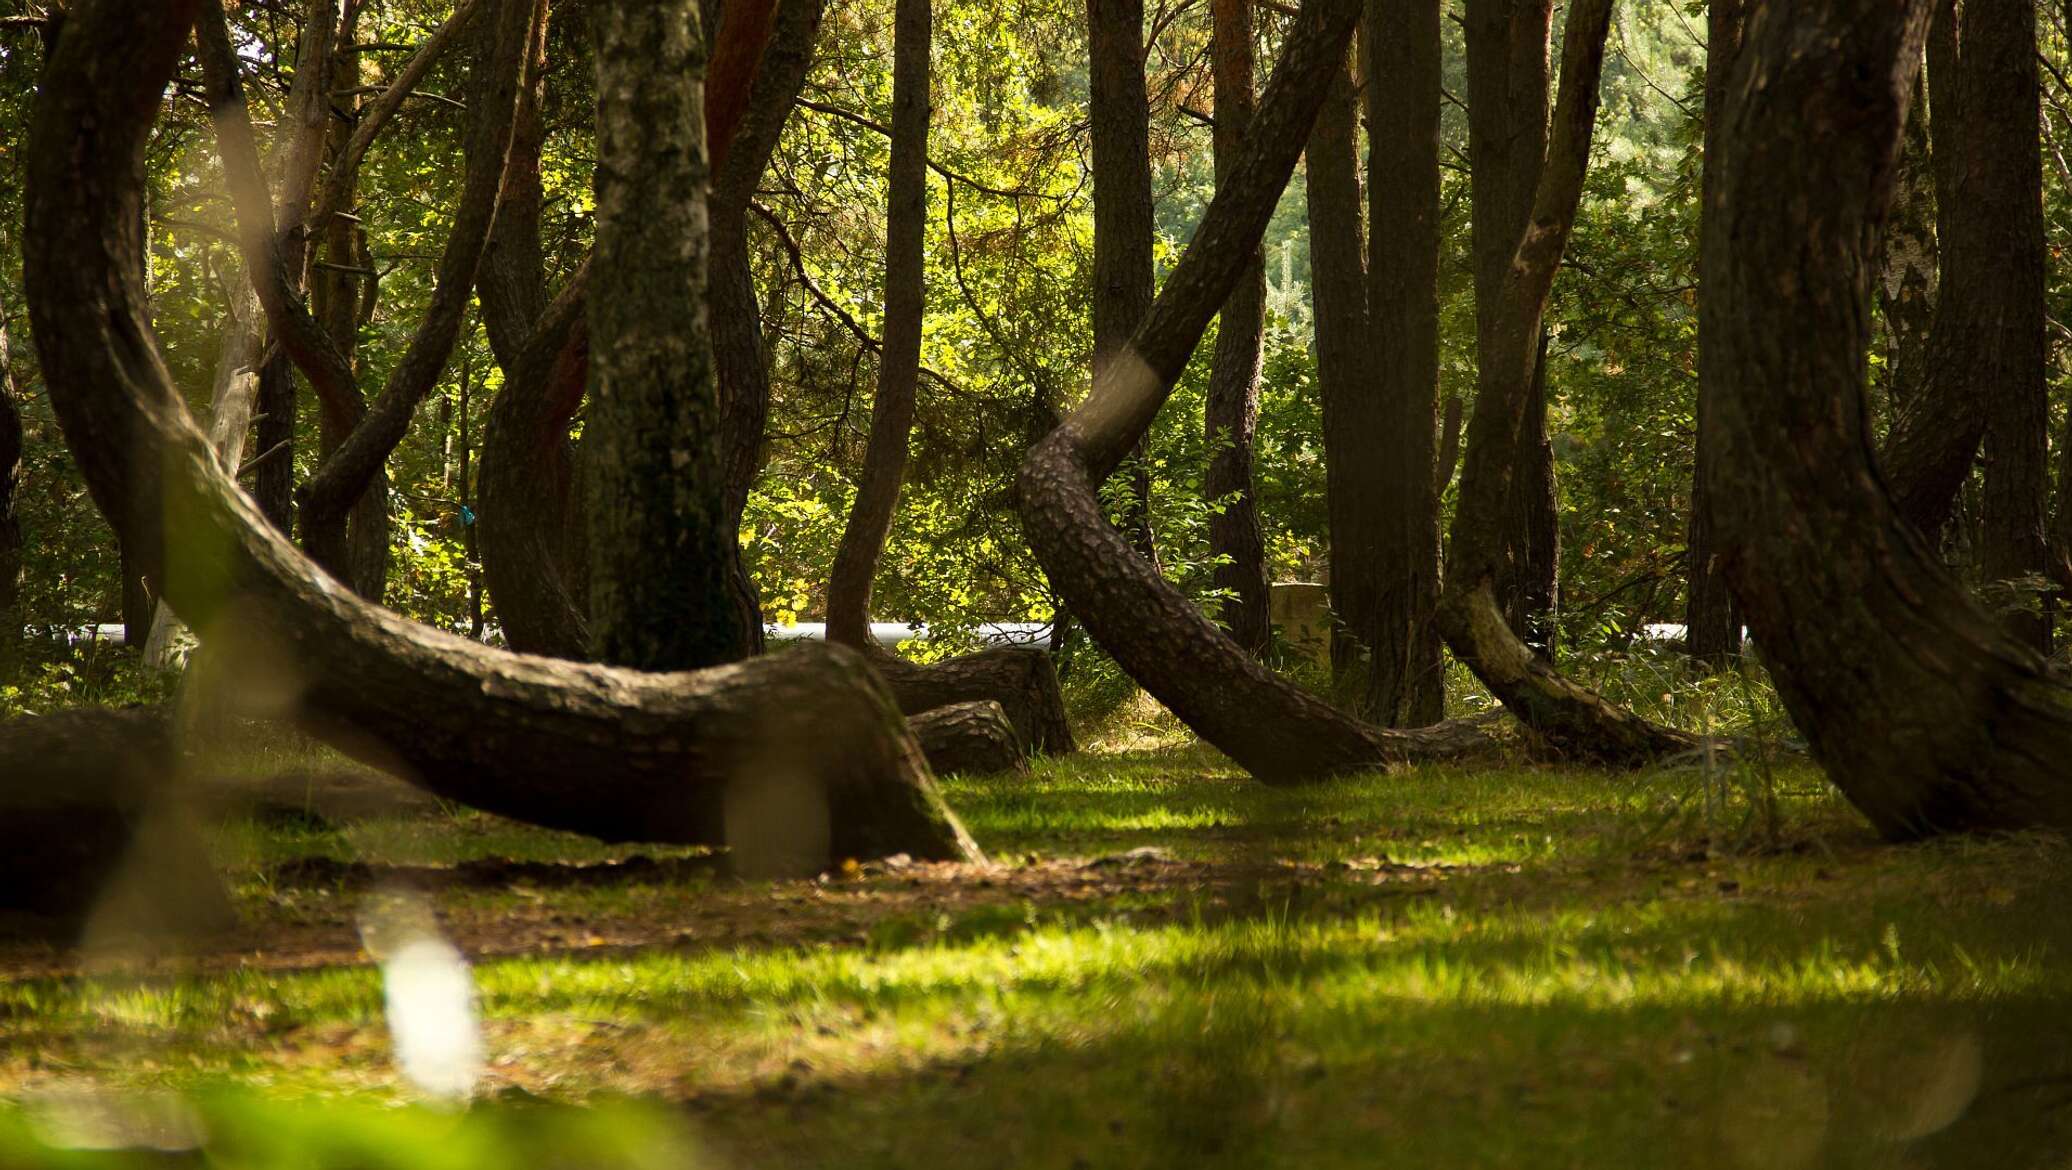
x: 1909, y: 262
x: 1712, y: 629
x: 273, y: 440
x: 1568, y: 716
x: 1533, y: 525
x: 1349, y: 383
x: 1119, y: 105
x: 1272, y: 728
x: 1231, y: 412
x: 532, y: 562
x: 1405, y: 57
x: 660, y: 587
x: 1997, y: 44
x: 1980, y: 348
x: 1508, y: 84
x: 899, y: 363
x: 10, y: 523
x: 804, y: 747
x: 1925, y: 713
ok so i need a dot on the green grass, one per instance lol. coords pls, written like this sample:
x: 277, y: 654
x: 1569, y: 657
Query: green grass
x: 1531, y: 967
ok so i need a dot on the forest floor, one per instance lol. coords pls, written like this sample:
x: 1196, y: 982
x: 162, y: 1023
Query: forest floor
x: 1165, y: 964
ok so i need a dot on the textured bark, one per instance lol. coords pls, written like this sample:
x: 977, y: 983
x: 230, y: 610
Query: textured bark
x: 1997, y: 43
x: 1508, y: 83
x: 1022, y: 679
x: 899, y: 362
x: 1119, y: 108
x: 1404, y: 55
x: 1987, y: 336
x: 1571, y: 718
x: 730, y: 755
x: 1349, y: 388
x: 1923, y: 711
x: 1909, y: 261
x: 273, y: 440
x: 532, y: 558
x: 1230, y: 417
x: 86, y: 837
x: 1275, y: 730
x: 974, y: 739
x: 660, y: 589
x: 511, y: 281
x: 1712, y: 628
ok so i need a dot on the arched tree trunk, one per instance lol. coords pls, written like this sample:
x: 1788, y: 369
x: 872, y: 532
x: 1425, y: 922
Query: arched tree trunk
x: 1568, y: 716
x: 1231, y: 411
x: 1119, y: 108
x: 899, y: 362
x: 1925, y: 713
x: 728, y: 755
x: 1508, y: 84
x: 1986, y: 348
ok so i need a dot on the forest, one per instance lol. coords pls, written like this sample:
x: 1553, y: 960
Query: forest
x: 668, y: 583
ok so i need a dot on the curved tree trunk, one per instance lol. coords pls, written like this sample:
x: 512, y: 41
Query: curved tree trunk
x: 728, y: 755
x: 1924, y: 712
x: 975, y: 739
x: 1275, y: 730
x: 899, y: 362
x: 365, y: 434
x: 1568, y: 716
x: 1986, y: 347
x: 1125, y: 227
x: 1022, y: 679
x: 1231, y: 412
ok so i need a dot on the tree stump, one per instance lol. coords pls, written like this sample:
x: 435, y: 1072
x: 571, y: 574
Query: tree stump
x: 976, y: 739
x: 89, y: 836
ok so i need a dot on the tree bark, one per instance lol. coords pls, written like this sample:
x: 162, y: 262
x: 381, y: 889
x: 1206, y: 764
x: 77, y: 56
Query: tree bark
x: 1712, y: 629
x: 530, y: 559
x: 1986, y: 341
x: 1909, y: 261
x: 974, y: 739
x: 1231, y: 411
x: 723, y: 756
x: 1273, y: 729
x: 1349, y: 385
x: 1925, y: 713
x: 1508, y: 84
x: 899, y: 362
x: 1571, y: 718
x: 1022, y: 679
x: 1998, y: 46
x: 1125, y: 227
x: 660, y: 589
x: 1404, y: 54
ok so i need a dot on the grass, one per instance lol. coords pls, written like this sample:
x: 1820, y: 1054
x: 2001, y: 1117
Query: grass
x: 1169, y: 965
